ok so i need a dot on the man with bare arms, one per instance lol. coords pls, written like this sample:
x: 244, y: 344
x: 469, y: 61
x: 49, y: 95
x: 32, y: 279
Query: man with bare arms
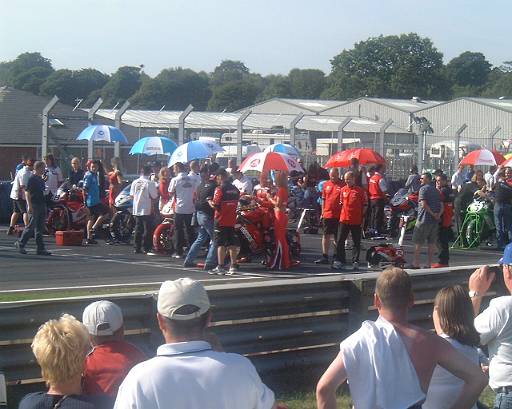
x: 389, y: 362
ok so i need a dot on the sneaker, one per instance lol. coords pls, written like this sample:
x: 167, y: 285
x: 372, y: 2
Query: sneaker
x: 232, y: 270
x: 217, y: 271
x: 338, y: 265
x: 43, y: 253
x: 355, y: 266
x: 10, y: 232
x: 177, y: 256
x: 323, y: 260
x: 150, y: 253
x: 438, y: 265
x: 20, y: 248
x: 91, y: 241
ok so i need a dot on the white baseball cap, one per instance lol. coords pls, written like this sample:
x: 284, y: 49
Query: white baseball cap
x: 102, y: 318
x: 181, y: 292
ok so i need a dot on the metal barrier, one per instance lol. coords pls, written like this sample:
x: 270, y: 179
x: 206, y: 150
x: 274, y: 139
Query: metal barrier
x: 279, y: 324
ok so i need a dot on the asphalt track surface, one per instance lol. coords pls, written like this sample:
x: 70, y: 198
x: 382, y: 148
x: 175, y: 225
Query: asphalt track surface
x: 101, y: 264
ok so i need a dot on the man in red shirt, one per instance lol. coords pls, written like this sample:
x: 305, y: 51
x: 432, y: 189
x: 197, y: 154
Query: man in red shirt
x: 353, y: 201
x: 331, y: 208
x: 377, y: 189
x: 225, y: 203
x: 111, y: 358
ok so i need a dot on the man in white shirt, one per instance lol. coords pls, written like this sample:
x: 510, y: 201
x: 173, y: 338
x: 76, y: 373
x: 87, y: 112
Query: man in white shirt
x: 389, y: 362
x: 187, y: 372
x: 19, y: 204
x: 458, y: 178
x: 242, y: 182
x: 194, y: 172
x: 182, y: 189
x: 494, y: 325
x: 144, y: 192
x: 53, y: 174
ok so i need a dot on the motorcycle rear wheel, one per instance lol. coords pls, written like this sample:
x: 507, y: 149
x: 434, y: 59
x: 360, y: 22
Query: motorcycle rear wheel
x: 121, y: 226
x: 163, y: 238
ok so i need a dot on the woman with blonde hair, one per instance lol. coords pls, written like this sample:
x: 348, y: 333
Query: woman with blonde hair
x: 60, y: 347
x: 281, y: 259
x: 164, y: 178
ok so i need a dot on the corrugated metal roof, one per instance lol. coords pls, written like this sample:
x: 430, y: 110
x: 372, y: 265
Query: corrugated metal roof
x: 505, y: 104
x: 404, y: 105
x: 288, y: 106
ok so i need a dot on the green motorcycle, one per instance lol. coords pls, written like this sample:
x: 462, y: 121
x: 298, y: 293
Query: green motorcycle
x: 478, y: 225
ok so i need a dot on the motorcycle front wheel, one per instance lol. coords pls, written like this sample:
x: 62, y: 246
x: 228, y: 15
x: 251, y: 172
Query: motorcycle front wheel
x: 121, y: 226
x: 163, y: 238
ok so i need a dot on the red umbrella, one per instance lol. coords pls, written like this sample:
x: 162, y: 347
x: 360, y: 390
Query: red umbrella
x: 483, y: 157
x: 265, y: 161
x: 364, y: 155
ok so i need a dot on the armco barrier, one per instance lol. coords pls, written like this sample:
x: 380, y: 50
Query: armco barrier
x: 279, y: 325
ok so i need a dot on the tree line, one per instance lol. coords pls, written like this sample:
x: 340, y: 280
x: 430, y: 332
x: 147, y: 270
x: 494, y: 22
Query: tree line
x: 396, y: 66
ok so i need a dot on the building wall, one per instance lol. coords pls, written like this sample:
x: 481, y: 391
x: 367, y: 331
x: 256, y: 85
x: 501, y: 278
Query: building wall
x: 10, y: 156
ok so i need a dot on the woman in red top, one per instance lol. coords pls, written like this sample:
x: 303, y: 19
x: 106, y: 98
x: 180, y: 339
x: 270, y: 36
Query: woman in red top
x: 281, y: 260
x: 164, y: 178
x: 264, y: 192
x: 115, y: 180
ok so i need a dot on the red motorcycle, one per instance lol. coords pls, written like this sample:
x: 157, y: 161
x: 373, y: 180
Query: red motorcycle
x: 402, y: 204
x: 68, y: 211
x: 163, y: 235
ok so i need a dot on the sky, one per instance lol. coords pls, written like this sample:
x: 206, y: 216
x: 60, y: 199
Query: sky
x: 269, y: 36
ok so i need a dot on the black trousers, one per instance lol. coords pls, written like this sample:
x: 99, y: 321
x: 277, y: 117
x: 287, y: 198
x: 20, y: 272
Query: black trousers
x: 377, y: 222
x: 35, y: 226
x: 183, y: 222
x: 144, y: 232
x: 344, y: 230
x: 445, y: 237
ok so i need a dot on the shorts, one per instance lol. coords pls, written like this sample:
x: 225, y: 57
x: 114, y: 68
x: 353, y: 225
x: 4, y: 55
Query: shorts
x: 330, y: 226
x: 425, y: 232
x: 226, y: 237
x: 19, y: 206
x: 98, y: 210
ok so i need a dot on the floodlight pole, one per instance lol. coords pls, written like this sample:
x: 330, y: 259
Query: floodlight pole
x: 181, y: 129
x: 119, y: 114
x: 341, y: 129
x: 493, y: 134
x: 44, y: 135
x: 293, y: 129
x: 90, y: 119
x: 457, y: 144
x: 239, y: 135
x: 383, y: 128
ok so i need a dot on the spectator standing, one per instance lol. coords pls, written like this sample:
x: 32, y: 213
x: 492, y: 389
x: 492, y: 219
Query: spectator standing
x: 187, y: 372
x: 489, y: 177
x: 60, y: 347
x: 445, y: 222
x: 413, y: 182
x: 19, y: 203
x: 426, y: 229
x: 377, y: 189
x: 242, y: 182
x: 231, y: 166
x: 503, y: 209
x: 353, y: 201
x: 494, y: 325
x: 331, y: 208
x: 183, y: 189
x: 112, y: 357
x: 144, y: 193
x: 164, y: 178
x: 195, y: 172
x: 76, y: 174
x: 465, y: 197
x: 36, y: 208
x: 225, y: 203
x: 204, y: 213
x: 52, y: 175
x: 281, y: 259
x: 97, y: 211
x: 389, y: 362
x: 359, y: 172
x: 21, y: 165
x: 453, y: 320
x: 458, y: 179
x: 115, y: 181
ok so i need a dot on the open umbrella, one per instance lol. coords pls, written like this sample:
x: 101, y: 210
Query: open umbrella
x: 153, y: 145
x: 364, y: 155
x: 105, y: 133
x: 193, y: 150
x: 265, y: 161
x: 283, y: 148
x: 483, y: 157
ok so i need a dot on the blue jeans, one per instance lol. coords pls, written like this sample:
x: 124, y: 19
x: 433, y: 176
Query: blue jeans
x: 503, y: 401
x: 205, y: 223
x: 503, y: 222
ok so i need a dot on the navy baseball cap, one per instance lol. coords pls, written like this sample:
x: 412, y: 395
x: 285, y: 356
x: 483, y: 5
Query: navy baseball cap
x: 507, y: 255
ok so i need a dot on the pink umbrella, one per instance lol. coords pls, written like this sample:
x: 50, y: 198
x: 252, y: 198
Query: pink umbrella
x: 265, y: 161
x: 483, y: 157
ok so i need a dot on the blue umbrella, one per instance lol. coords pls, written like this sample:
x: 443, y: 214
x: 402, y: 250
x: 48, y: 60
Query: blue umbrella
x: 105, y: 133
x: 190, y: 151
x: 283, y: 148
x: 153, y: 145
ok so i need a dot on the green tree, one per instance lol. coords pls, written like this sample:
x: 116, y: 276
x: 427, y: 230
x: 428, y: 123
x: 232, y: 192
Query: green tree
x: 468, y: 69
x: 501, y: 87
x: 122, y: 85
x: 232, y: 96
x: 306, y: 83
x: 227, y: 71
x: 31, y: 80
x: 388, y: 66
x: 276, y: 86
x: 175, y: 88
x: 26, y: 72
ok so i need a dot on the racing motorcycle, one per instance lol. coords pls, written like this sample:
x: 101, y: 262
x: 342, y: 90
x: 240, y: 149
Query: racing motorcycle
x: 67, y: 211
x: 123, y: 222
x: 401, y: 204
x: 478, y: 224
x: 163, y: 235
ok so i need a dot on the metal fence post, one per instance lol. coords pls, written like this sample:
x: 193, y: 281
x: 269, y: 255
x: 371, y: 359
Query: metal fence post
x: 457, y: 145
x: 119, y: 114
x: 340, y: 132
x: 293, y: 129
x: 382, y: 131
x: 181, y: 128
x: 239, y: 135
x: 44, y: 135
x: 90, y: 118
x: 492, y: 135
x: 421, y: 141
